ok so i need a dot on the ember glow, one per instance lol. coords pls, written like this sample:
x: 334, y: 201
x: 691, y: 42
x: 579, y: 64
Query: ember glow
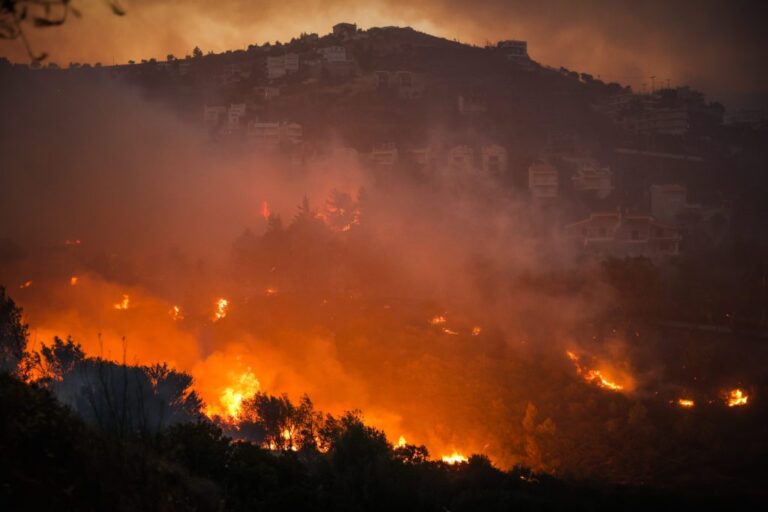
x: 686, y: 403
x: 25, y: 284
x: 438, y: 320
x: 265, y: 209
x: 222, y: 307
x: 175, y: 313
x: 73, y: 281
x: 737, y: 398
x: 123, y: 304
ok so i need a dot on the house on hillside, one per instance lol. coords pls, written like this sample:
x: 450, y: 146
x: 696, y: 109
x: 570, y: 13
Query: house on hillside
x: 615, y: 234
x: 345, y: 30
x: 494, y: 159
x: 513, y: 49
x: 543, y: 180
x: 385, y: 155
x: 472, y: 104
x: 406, y: 84
x: 270, y: 135
x: 266, y: 93
x: 334, y: 53
x: 282, y: 65
x: 592, y: 179
x: 235, y: 115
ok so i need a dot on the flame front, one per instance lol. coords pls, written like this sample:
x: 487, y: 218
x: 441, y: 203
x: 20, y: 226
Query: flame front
x: 401, y: 442
x: 593, y: 376
x: 231, y: 400
x: 454, y: 458
x: 737, y: 398
x: 686, y: 402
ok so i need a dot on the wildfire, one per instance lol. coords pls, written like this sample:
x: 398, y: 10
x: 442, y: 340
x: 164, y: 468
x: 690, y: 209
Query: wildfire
x: 401, y: 442
x: 449, y: 331
x: 269, y: 292
x: 454, y: 458
x: 593, y: 376
x: 123, y: 304
x: 73, y: 280
x: 476, y: 330
x: 265, y: 209
x: 25, y: 284
x: 222, y: 305
x: 438, y: 320
x: 71, y: 242
x: 686, y: 402
x: 736, y: 398
x: 175, y: 313
x: 231, y: 399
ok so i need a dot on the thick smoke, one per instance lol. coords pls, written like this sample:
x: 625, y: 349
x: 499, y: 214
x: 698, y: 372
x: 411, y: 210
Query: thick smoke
x: 353, y: 318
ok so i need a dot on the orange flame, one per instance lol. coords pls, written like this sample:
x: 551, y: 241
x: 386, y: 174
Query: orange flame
x: 593, y: 376
x: 265, y: 209
x: 222, y: 305
x: 686, y: 402
x: 477, y: 330
x: 73, y: 280
x: 231, y: 399
x: 401, y: 442
x: 737, y: 398
x: 25, y: 284
x: 454, y: 458
x: 72, y: 242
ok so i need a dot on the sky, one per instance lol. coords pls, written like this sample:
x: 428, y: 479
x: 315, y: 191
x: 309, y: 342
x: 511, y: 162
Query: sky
x: 716, y: 46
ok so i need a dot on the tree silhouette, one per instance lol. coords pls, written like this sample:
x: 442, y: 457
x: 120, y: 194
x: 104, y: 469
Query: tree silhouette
x: 15, y: 14
x: 13, y: 334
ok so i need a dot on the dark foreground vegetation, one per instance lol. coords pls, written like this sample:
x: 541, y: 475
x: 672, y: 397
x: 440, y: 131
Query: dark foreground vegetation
x: 138, y: 442
x: 53, y: 461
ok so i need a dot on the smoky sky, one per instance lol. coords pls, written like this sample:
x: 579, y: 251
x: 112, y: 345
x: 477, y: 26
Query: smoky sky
x: 717, y: 46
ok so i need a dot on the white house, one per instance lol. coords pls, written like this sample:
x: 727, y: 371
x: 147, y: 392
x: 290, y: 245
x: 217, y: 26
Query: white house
x: 618, y: 234
x: 334, y: 53
x: 235, y: 114
x: 543, y: 181
x: 593, y: 179
x: 385, y: 155
x: 282, y: 65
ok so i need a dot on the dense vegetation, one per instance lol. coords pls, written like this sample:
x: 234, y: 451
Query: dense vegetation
x: 138, y: 442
